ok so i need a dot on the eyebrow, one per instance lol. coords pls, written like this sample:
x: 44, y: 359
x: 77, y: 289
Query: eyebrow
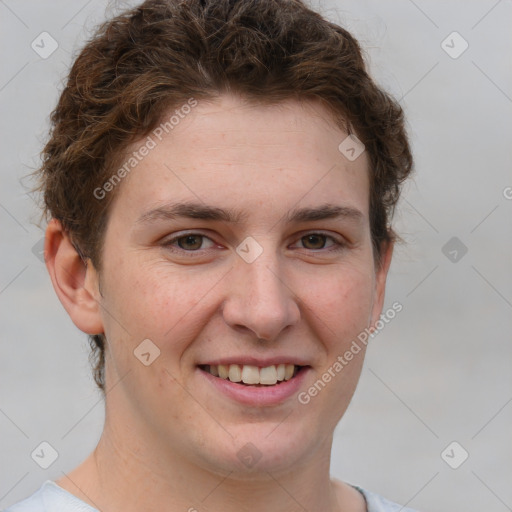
x: 193, y: 210
x: 322, y: 212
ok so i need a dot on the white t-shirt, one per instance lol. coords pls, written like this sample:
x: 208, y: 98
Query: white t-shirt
x: 52, y: 498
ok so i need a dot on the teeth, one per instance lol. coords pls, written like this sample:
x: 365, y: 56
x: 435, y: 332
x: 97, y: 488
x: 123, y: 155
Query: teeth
x: 268, y: 375
x: 252, y: 375
x: 288, y: 371
x: 223, y: 371
x: 235, y: 373
x: 281, y: 370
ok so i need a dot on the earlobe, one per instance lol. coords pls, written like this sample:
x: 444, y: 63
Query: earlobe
x: 75, y: 281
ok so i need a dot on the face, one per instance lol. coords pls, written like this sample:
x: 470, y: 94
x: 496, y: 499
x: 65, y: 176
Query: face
x: 242, y: 240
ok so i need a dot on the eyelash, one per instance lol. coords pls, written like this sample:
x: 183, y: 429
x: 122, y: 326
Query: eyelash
x: 169, y: 244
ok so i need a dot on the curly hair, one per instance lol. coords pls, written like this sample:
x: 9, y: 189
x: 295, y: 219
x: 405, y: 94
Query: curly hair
x: 157, y: 56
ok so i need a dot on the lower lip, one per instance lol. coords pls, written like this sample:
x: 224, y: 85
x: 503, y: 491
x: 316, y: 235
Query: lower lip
x: 258, y: 396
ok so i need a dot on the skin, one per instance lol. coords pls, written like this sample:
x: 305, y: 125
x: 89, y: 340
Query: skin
x: 170, y: 440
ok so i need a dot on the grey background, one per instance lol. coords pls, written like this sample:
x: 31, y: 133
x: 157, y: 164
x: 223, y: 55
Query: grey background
x: 439, y: 372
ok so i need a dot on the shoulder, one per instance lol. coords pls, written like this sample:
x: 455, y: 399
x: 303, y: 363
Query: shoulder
x: 50, y: 498
x: 34, y: 503
x: 352, y: 496
x: 376, y: 503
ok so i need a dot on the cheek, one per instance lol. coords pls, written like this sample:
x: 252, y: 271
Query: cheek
x: 155, y: 301
x: 338, y: 307
x: 169, y: 308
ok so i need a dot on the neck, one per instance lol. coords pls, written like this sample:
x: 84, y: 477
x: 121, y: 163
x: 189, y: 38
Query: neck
x: 126, y: 474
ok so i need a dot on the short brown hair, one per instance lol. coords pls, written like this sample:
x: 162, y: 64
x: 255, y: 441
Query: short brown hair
x: 157, y: 56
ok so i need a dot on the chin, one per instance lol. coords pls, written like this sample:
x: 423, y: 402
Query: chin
x: 268, y: 447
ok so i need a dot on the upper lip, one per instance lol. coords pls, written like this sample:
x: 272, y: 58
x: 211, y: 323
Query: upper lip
x: 261, y: 362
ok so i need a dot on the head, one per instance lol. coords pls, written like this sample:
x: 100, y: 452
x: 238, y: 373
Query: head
x: 181, y: 102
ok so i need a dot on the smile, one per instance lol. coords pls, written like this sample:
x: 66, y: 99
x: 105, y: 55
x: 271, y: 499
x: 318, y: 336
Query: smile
x: 251, y: 375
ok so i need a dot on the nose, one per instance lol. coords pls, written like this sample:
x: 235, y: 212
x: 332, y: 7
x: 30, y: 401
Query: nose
x: 260, y: 300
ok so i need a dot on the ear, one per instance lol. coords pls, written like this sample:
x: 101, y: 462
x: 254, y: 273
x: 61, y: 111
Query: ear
x: 381, y: 275
x: 76, y: 282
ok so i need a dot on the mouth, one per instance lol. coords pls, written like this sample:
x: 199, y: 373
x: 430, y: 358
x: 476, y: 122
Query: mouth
x: 254, y: 376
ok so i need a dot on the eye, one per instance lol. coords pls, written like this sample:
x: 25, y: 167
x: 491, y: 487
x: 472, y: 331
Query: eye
x: 190, y: 242
x: 317, y: 241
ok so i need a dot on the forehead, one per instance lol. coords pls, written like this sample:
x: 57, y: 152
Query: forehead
x: 254, y: 158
